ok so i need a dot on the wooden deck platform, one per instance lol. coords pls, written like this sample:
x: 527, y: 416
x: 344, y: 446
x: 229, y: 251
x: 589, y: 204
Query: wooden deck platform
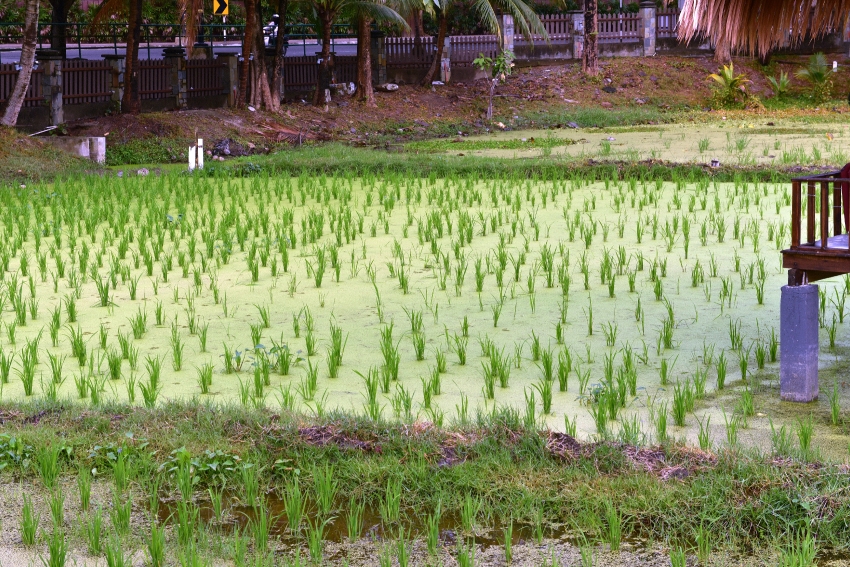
x: 819, y: 256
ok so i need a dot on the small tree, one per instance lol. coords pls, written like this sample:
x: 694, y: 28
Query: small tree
x: 500, y: 68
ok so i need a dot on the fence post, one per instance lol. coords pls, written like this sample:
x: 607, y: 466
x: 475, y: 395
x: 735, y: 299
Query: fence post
x: 507, y: 29
x: 176, y: 58
x: 378, y: 47
x: 578, y: 33
x: 116, y: 83
x: 230, y: 77
x: 648, y: 25
x: 51, y: 86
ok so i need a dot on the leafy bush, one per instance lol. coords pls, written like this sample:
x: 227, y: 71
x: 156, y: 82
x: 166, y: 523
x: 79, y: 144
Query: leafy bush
x: 817, y: 73
x: 730, y: 88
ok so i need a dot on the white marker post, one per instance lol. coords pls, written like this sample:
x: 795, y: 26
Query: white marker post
x: 196, y: 155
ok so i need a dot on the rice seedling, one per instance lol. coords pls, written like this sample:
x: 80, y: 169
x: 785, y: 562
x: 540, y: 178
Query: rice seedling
x: 805, y: 431
x: 465, y: 554
x: 721, y: 371
x: 544, y: 388
x: 57, y: 507
x: 120, y: 514
x: 47, y: 462
x: 260, y: 526
x: 29, y: 522
x: 57, y: 549
x: 93, y: 528
x: 432, y: 527
x: 801, y: 551
x: 316, y: 537
x: 84, y: 487
x: 114, y: 552
x: 354, y: 519
x: 613, y: 522
x: 155, y: 544
x: 469, y: 509
x: 390, y: 504
x: 325, y: 488
x: 295, y: 506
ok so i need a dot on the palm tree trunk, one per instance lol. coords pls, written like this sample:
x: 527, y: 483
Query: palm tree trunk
x: 132, y: 102
x: 16, y: 99
x: 247, y: 42
x: 590, y: 61
x: 324, y: 75
x: 722, y: 52
x: 277, y: 71
x: 364, y: 61
x: 262, y: 94
x: 443, y: 21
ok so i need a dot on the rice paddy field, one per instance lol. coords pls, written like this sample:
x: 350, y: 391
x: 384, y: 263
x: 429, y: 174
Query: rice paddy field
x: 375, y: 339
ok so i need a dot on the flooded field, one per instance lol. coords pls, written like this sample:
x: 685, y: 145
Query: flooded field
x: 615, y: 307
x: 733, y: 142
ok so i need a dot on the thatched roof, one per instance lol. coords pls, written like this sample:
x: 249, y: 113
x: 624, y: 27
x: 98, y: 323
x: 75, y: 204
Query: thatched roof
x: 756, y: 26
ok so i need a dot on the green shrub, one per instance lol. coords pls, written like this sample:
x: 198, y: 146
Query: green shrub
x: 817, y: 73
x: 143, y: 151
x: 780, y: 84
x: 730, y: 89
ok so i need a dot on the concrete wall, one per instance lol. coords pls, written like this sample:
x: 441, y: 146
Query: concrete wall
x: 93, y: 147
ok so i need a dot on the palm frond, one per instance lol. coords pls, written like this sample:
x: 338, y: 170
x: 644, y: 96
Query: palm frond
x: 379, y: 13
x: 757, y: 26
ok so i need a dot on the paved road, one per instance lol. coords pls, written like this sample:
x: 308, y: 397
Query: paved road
x: 12, y: 53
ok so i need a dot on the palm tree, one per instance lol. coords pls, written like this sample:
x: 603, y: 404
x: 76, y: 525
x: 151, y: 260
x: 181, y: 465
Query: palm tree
x: 327, y: 12
x: 525, y: 20
x: 16, y: 99
x: 368, y: 12
x: 131, y: 101
x: 590, y: 56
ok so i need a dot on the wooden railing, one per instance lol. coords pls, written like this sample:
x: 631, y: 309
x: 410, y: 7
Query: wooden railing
x: 467, y: 48
x: 559, y: 27
x: 204, y: 77
x: 8, y: 78
x: 666, y: 24
x: 154, y: 79
x: 816, y: 191
x: 619, y: 28
x: 409, y: 52
x: 86, y: 81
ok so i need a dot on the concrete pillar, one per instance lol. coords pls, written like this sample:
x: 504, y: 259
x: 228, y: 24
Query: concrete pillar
x: 377, y: 46
x: 446, y: 63
x: 578, y: 34
x: 97, y: 149
x: 507, y: 28
x: 230, y: 77
x: 176, y: 58
x: 116, y: 84
x: 798, y: 341
x: 51, y: 84
x: 648, y: 22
